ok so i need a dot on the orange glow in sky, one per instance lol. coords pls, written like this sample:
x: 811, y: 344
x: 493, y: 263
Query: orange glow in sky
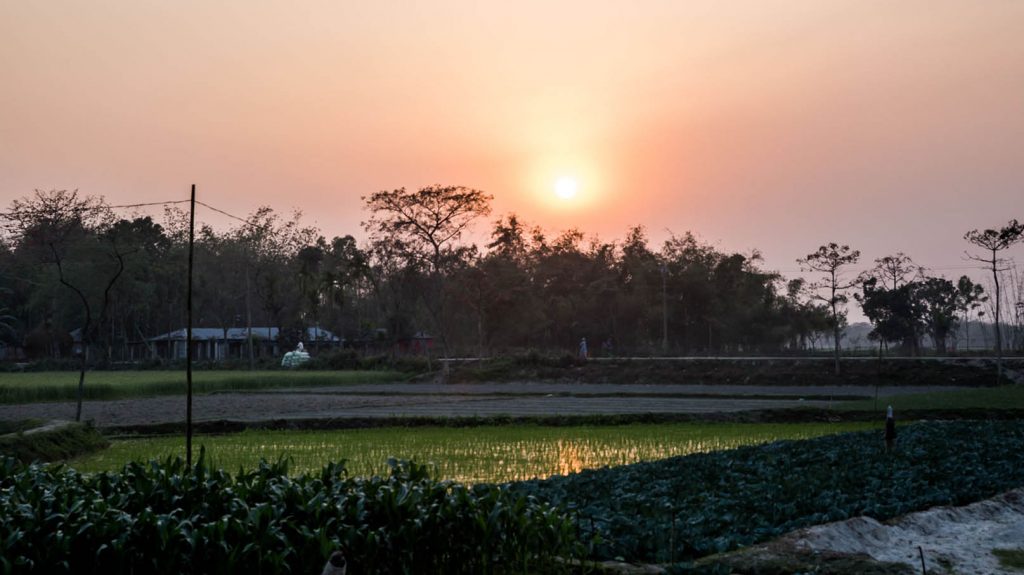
x: 771, y: 125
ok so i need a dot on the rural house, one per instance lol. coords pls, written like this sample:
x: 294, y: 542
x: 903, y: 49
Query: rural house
x: 215, y: 344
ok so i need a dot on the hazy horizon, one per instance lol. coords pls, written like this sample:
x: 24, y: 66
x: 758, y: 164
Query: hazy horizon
x: 773, y: 127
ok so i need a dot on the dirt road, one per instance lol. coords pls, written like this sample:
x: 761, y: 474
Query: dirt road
x: 441, y: 400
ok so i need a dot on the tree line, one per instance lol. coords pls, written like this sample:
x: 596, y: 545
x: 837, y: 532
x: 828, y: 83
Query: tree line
x: 71, y: 262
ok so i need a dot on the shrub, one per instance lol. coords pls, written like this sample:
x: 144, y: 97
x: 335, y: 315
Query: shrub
x: 63, y: 442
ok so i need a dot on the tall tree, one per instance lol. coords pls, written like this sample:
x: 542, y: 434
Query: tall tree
x: 830, y: 259
x: 427, y: 225
x: 893, y: 271
x: 995, y: 241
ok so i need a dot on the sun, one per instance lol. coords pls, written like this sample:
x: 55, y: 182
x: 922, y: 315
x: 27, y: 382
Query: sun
x: 566, y: 187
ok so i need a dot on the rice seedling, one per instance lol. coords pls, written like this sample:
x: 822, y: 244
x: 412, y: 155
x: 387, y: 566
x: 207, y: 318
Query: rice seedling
x: 470, y: 455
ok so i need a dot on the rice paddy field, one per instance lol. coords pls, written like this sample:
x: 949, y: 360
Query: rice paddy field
x: 63, y: 385
x: 468, y: 455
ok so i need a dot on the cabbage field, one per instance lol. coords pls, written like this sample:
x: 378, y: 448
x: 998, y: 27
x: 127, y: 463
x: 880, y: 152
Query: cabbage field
x: 687, y: 507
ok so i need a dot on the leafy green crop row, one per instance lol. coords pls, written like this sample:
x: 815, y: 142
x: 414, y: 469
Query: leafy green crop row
x: 163, y: 518
x: 691, y: 506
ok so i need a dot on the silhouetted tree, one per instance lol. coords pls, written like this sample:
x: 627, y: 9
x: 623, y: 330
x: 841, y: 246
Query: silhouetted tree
x: 943, y: 300
x: 995, y: 241
x: 77, y: 236
x: 830, y: 259
x: 427, y: 225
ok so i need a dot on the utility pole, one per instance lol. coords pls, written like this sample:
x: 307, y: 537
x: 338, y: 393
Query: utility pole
x: 188, y: 336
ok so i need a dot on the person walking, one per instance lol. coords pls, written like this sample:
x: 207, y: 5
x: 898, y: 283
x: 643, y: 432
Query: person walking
x: 583, y: 348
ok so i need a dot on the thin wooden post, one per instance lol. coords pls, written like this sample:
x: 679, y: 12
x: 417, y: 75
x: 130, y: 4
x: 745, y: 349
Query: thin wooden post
x: 188, y: 336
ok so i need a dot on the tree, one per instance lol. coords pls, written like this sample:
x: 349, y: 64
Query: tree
x: 891, y: 309
x: 511, y: 311
x: 7, y: 320
x: 894, y: 270
x: 426, y: 226
x: 271, y: 242
x: 897, y: 313
x: 830, y: 259
x: 429, y: 222
x: 344, y: 267
x: 942, y: 301
x: 803, y: 318
x: 971, y: 296
x: 78, y: 237
x: 996, y: 241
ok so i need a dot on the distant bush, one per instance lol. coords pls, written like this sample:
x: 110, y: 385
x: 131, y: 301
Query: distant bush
x: 164, y: 518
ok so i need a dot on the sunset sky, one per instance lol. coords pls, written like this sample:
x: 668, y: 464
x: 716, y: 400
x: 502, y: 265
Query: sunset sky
x: 771, y: 125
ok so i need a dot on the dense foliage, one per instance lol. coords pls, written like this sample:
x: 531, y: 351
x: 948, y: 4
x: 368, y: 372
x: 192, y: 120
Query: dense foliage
x: 524, y: 289
x: 72, y: 262
x: 162, y: 518
x: 695, y: 505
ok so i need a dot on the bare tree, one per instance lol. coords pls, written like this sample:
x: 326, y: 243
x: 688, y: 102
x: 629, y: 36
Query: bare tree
x: 829, y: 260
x: 995, y: 241
x: 894, y: 270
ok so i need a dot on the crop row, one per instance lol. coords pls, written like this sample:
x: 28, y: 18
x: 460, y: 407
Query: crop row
x: 687, y: 507
x: 165, y: 518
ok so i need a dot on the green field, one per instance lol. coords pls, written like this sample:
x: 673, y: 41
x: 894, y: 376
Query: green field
x: 472, y: 454
x: 1003, y: 397
x: 63, y: 385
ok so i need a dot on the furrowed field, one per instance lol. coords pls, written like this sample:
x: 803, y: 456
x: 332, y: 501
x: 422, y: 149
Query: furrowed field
x: 471, y: 455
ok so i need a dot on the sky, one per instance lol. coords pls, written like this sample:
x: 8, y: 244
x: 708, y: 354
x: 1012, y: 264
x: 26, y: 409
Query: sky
x: 776, y: 126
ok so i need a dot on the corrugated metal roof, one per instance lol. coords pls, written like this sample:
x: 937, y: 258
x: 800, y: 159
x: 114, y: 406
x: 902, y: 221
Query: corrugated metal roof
x: 240, y: 334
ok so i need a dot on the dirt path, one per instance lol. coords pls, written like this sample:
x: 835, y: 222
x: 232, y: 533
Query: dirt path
x: 264, y: 406
x: 583, y: 389
x: 445, y: 400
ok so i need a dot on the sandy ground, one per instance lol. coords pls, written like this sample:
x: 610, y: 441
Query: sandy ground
x: 954, y: 539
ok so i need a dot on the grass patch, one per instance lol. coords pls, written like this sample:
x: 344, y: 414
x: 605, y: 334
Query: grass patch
x: 1010, y: 558
x: 996, y: 398
x: 471, y: 455
x: 62, y: 443
x: 17, y: 425
x: 63, y: 385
